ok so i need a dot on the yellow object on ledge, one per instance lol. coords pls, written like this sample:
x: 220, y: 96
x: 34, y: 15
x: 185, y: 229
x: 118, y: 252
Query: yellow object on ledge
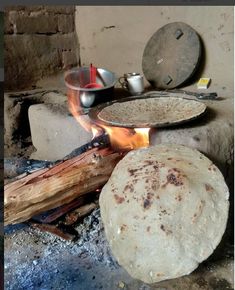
x: 203, y: 83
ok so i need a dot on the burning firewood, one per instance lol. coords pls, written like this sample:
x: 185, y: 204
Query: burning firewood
x: 52, y: 187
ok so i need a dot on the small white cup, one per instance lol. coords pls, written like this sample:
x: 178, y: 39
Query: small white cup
x: 133, y: 82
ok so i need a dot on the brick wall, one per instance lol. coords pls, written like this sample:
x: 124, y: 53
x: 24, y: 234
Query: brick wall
x: 39, y: 41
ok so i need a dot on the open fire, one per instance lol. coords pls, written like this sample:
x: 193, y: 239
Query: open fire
x: 120, y: 138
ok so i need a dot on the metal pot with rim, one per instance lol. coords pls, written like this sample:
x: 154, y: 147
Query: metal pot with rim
x: 77, y: 81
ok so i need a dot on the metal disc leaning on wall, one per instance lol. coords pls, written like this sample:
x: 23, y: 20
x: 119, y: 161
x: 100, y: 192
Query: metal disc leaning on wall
x: 171, y: 56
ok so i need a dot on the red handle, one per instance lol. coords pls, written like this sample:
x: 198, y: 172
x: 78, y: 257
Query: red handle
x: 92, y: 74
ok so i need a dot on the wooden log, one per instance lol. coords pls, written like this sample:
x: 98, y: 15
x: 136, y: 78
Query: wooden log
x: 55, y: 213
x: 53, y: 229
x: 79, y: 213
x: 52, y: 187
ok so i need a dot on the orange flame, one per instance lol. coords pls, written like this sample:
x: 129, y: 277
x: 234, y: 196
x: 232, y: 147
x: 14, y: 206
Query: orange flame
x: 76, y: 110
x: 120, y: 138
x: 128, y: 139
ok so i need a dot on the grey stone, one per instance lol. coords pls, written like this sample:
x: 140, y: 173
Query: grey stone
x: 16, y: 8
x: 65, y: 23
x: 64, y: 41
x: 69, y: 59
x: 8, y: 26
x: 61, y: 9
x: 54, y: 132
x: 39, y: 23
x: 16, y: 123
x: 66, y: 9
x: 31, y: 57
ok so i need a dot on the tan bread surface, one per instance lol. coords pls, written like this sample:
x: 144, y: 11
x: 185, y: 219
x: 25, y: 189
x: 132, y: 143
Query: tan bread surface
x: 151, y: 111
x: 164, y: 211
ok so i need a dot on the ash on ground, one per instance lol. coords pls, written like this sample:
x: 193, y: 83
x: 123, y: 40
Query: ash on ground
x: 37, y: 260
x: 92, y: 240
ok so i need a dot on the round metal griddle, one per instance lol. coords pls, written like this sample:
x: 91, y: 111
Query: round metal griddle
x: 171, y: 56
x: 189, y: 110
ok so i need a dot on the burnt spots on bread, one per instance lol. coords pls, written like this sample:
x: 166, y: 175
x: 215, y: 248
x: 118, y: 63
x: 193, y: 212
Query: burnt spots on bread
x: 147, y: 204
x: 134, y: 181
x: 164, y: 211
x: 150, y: 195
x: 174, y: 177
x: 133, y: 171
x: 208, y: 187
x: 167, y: 231
x: 153, y: 163
x: 161, y: 164
x: 178, y: 197
x: 199, y: 210
x: 155, y: 167
x: 212, y: 167
x: 201, y: 204
x: 154, y: 185
x: 173, y: 159
x: 148, y: 200
x: 162, y: 228
x: 174, y: 169
x: 113, y: 188
x: 119, y: 199
x: 129, y: 187
x: 160, y: 274
x: 123, y: 228
x: 149, y: 162
x: 151, y: 184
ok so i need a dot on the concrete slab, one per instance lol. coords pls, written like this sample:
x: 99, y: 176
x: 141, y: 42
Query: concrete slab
x: 55, y: 133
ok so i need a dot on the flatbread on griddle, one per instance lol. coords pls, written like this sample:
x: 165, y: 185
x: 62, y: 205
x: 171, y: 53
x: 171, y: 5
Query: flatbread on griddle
x: 150, y: 112
x: 164, y: 211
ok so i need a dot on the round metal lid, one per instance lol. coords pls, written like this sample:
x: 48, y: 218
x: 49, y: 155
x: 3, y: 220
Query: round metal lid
x: 171, y: 56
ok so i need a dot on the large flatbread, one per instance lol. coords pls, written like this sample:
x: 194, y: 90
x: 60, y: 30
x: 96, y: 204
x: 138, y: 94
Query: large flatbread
x: 164, y: 211
x: 151, y: 112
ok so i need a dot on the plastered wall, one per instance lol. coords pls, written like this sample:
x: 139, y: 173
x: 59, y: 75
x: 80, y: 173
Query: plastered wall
x: 115, y: 37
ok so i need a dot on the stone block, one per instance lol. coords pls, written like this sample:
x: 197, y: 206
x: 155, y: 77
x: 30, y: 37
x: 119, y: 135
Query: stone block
x: 65, y: 23
x: 28, y: 58
x: 39, y: 23
x: 64, y: 41
x: 60, y: 9
x: 16, y: 123
x: 8, y: 26
x: 54, y: 132
x: 31, y: 57
x: 9, y: 8
x: 69, y: 59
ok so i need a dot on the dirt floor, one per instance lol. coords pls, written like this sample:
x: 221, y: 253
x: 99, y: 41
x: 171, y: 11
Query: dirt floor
x: 36, y: 260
